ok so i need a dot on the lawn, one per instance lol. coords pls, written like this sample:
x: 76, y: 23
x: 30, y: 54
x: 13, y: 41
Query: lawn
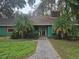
x: 15, y: 49
x: 66, y: 49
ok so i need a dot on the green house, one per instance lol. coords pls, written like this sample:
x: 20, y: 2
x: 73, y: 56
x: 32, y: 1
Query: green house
x: 42, y: 24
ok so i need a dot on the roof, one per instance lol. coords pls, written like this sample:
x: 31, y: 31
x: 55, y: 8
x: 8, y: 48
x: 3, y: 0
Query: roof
x: 7, y: 22
x: 42, y: 20
x: 37, y: 20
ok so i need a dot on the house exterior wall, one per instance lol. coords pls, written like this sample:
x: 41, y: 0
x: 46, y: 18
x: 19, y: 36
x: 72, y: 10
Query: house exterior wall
x: 46, y: 28
x: 9, y: 30
x: 4, y: 31
x: 49, y: 31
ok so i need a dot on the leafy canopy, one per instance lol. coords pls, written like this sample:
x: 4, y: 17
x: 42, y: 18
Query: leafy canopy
x: 62, y: 24
x: 31, y: 2
x: 23, y: 26
x: 7, y: 6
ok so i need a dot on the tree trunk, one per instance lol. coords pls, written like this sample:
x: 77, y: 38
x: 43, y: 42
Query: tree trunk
x: 22, y: 35
x: 62, y: 35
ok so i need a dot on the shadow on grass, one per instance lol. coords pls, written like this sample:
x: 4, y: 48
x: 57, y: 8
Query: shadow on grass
x: 8, y: 39
x: 65, y: 39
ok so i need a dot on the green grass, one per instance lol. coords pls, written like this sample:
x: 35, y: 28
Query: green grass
x: 13, y: 49
x: 66, y: 49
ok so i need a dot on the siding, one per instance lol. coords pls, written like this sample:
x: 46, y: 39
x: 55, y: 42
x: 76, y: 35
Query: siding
x: 50, y: 31
x: 3, y: 31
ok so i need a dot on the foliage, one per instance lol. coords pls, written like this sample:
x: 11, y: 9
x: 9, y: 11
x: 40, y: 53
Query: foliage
x: 31, y: 2
x: 7, y: 6
x: 41, y: 8
x: 32, y: 34
x: 75, y: 32
x: 75, y: 9
x: 71, y: 7
x: 22, y: 27
x: 44, y: 6
x: 63, y: 26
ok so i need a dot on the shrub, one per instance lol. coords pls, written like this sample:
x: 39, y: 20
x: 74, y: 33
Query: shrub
x: 15, y: 35
x: 32, y: 35
x: 62, y: 26
x: 23, y: 26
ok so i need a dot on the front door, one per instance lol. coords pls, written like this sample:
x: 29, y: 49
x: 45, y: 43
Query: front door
x: 43, y: 31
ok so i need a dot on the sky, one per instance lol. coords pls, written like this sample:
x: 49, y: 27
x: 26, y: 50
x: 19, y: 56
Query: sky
x: 28, y: 9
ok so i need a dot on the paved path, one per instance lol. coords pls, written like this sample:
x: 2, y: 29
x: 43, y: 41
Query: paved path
x: 44, y: 50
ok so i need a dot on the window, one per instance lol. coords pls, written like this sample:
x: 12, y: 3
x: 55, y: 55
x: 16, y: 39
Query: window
x: 10, y: 30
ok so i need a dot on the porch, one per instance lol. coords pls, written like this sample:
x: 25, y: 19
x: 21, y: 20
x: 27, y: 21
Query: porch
x: 44, y: 30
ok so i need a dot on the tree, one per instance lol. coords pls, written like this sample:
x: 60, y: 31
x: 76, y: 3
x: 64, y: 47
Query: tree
x: 41, y: 8
x: 49, y: 3
x: 75, y: 9
x: 23, y: 26
x: 7, y: 6
x: 31, y: 2
x: 71, y: 7
x: 63, y: 26
x: 45, y: 5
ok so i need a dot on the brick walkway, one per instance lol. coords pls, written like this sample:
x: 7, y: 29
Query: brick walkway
x: 44, y: 50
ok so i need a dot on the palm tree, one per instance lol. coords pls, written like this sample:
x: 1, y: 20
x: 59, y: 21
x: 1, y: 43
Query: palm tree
x: 63, y: 26
x: 23, y: 25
